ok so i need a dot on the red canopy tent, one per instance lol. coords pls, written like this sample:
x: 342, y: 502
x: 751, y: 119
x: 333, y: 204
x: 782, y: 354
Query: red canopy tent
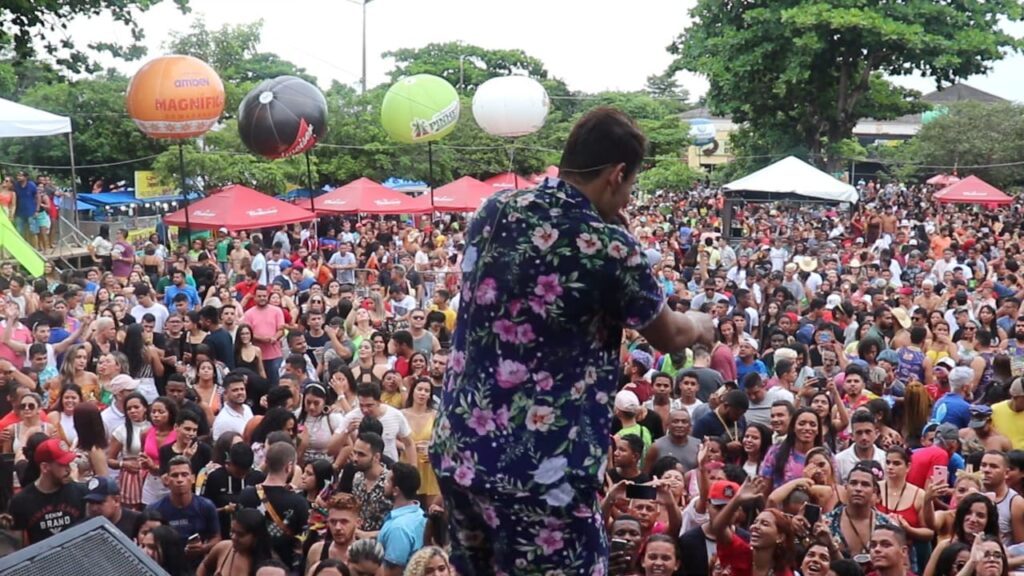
x: 237, y: 207
x: 972, y: 190
x: 549, y: 172
x: 943, y: 179
x: 508, y: 181
x: 365, y: 196
x: 463, y: 195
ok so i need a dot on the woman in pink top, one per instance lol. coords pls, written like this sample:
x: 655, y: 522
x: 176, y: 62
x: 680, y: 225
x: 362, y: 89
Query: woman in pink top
x: 163, y: 414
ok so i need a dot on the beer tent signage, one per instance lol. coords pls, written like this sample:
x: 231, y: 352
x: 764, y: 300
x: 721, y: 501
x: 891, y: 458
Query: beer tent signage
x: 237, y: 207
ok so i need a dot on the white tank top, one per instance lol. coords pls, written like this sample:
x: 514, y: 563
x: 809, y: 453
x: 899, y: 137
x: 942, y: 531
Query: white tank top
x: 1005, y: 524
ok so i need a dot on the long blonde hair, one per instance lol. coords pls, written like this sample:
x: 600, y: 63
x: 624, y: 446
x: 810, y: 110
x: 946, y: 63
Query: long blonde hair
x: 917, y: 407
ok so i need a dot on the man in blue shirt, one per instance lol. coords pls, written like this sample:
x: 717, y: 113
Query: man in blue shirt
x: 194, y: 517
x: 953, y: 407
x: 28, y: 198
x: 402, y: 532
x: 178, y: 286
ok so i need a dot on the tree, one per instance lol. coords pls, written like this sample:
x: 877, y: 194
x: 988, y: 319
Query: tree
x: 666, y: 86
x: 28, y: 28
x: 969, y: 134
x: 233, y: 51
x: 103, y: 132
x: 814, y: 68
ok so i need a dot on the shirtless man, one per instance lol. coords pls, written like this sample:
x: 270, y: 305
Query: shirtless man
x: 980, y: 429
x: 928, y: 299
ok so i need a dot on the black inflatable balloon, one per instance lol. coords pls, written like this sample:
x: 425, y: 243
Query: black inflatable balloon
x: 282, y: 117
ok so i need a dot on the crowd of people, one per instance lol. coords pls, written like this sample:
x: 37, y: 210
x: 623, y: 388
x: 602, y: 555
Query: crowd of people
x: 342, y: 400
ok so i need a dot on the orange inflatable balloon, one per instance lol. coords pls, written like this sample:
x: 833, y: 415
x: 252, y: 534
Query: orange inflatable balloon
x: 175, y: 97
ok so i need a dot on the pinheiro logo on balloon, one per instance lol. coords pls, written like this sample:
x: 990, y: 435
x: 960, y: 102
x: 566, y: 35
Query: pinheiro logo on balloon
x: 511, y: 106
x: 420, y: 108
x: 175, y: 97
x: 282, y: 117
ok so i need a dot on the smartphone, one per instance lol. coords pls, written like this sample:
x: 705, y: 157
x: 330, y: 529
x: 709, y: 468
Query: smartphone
x: 619, y: 545
x: 812, y: 512
x: 641, y: 492
x: 940, y: 476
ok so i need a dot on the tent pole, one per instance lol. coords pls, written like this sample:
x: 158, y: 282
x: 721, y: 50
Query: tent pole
x: 184, y: 193
x: 74, y: 179
x: 430, y: 162
x: 312, y: 208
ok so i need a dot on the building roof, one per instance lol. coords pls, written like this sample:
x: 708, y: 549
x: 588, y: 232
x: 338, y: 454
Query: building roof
x: 961, y: 93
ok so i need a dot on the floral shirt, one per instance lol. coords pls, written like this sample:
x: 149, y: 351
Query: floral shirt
x: 374, y: 505
x: 547, y: 289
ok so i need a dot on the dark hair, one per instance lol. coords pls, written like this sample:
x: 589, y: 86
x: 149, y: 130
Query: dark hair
x: 402, y: 337
x: 210, y: 313
x: 221, y: 446
x: 635, y: 443
x: 862, y: 417
x: 663, y: 465
x: 947, y: 558
x: 278, y: 397
x: 603, y: 138
x: 322, y: 471
x: 134, y: 349
x: 371, y: 424
x: 169, y: 543
x: 666, y: 539
x: 239, y: 454
x: 238, y: 341
x: 368, y: 390
x: 406, y: 479
x: 964, y: 506
x: 129, y: 428
x: 787, y: 446
x: 273, y: 421
x: 32, y: 470
x: 254, y: 523
x: 172, y: 409
x: 374, y: 440
x: 846, y: 567
x: 89, y: 426
x: 766, y: 438
x: 430, y: 397
x: 331, y: 563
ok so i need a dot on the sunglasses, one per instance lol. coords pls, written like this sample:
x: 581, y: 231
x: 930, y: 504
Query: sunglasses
x: 418, y: 317
x: 29, y: 406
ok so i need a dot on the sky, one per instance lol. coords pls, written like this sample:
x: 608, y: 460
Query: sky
x: 592, y: 45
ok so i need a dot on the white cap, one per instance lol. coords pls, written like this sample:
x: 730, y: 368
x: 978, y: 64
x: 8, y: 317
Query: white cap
x: 627, y: 401
x: 832, y: 301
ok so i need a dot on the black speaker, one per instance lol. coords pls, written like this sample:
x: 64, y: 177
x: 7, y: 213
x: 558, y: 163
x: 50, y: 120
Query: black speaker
x: 93, y: 548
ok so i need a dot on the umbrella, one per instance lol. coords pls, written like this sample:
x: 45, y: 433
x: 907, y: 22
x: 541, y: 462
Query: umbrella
x: 943, y: 179
x: 237, y: 207
x: 365, y: 196
x: 463, y: 195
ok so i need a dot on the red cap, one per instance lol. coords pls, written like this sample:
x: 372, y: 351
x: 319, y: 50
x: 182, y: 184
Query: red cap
x: 906, y: 291
x: 722, y: 491
x: 51, y: 451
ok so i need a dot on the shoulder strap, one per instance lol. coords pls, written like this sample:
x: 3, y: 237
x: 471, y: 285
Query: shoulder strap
x: 271, y: 511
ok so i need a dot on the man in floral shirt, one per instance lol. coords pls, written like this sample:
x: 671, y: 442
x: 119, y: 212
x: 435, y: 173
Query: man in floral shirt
x: 551, y: 277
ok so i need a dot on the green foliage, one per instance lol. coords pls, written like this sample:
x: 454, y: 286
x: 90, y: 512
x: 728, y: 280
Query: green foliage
x: 812, y: 68
x: 103, y: 133
x: 233, y: 51
x: 670, y: 175
x: 970, y: 134
x: 40, y: 28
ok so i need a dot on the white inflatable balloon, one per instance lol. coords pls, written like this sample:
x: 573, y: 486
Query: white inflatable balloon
x: 510, y: 106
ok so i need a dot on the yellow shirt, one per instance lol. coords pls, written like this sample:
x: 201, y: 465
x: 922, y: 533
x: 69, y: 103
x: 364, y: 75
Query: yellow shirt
x: 449, y: 317
x: 1009, y: 423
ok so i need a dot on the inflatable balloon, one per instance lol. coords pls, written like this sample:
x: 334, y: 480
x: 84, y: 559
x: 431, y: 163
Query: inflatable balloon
x: 420, y: 108
x: 702, y: 131
x: 929, y: 116
x: 510, y: 106
x: 175, y: 97
x: 282, y: 117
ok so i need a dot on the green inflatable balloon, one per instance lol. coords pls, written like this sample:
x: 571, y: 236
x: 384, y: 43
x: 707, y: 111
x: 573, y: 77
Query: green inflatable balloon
x: 420, y: 108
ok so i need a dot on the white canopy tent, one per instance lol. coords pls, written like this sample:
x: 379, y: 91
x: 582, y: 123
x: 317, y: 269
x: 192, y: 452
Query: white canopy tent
x: 788, y: 178
x: 20, y: 121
